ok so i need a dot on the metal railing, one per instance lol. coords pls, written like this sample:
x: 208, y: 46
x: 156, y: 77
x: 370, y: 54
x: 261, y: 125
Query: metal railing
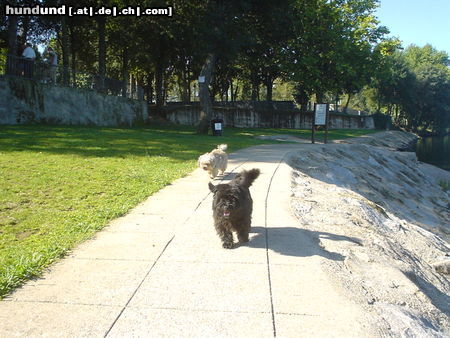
x: 64, y: 76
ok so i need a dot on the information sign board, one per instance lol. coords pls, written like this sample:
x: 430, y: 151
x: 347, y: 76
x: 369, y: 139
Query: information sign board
x: 320, y: 115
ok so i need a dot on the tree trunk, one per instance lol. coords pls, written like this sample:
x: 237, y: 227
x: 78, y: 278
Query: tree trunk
x: 319, y: 97
x: 336, y: 103
x: 159, y: 84
x: 205, y: 98
x: 255, y: 92
x: 25, y: 28
x: 12, y: 44
x: 269, y: 87
x: 125, y: 72
x: 73, y: 55
x: 254, y: 79
x: 159, y: 77
x: 235, y: 93
x: 226, y: 92
x: 12, y: 35
x: 150, y: 88
x: 65, y: 50
x: 302, y: 98
x: 347, y: 103
x: 378, y: 102
x: 397, y: 115
x: 101, y: 21
x: 189, y: 86
x: 232, y: 91
x: 184, y: 85
x: 132, y: 86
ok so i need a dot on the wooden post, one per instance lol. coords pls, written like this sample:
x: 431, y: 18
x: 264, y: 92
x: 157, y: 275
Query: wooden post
x: 326, y: 124
x: 313, y: 123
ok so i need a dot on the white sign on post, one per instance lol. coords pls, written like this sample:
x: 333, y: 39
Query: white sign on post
x: 320, y: 118
x: 201, y: 79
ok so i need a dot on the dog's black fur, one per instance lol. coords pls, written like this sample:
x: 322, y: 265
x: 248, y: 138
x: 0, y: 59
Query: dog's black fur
x: 232, y: 207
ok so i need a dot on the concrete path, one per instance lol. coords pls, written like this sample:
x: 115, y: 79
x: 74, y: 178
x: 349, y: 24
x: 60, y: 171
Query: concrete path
x: 161, y: 271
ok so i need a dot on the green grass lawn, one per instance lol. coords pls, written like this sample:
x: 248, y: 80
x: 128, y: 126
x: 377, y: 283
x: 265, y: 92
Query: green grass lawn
x: 59, y: 185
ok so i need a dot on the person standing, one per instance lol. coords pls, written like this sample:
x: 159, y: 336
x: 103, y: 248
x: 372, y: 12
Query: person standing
x: 52, y: 63
x: 28, y: 55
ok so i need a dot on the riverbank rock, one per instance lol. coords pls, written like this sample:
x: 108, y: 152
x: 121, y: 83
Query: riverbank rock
x: 386, y: 215
x: 442, y: 266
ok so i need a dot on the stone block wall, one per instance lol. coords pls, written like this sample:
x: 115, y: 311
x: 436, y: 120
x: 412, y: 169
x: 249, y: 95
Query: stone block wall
x: 25, y: 101
x: 255, y: 117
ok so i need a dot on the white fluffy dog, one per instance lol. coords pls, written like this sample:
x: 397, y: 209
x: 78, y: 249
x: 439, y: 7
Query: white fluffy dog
x: 214, y: 161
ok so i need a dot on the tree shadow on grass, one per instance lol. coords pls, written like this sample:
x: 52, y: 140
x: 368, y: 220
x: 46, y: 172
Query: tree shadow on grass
x: 175, y: 143
x: 102, y: 142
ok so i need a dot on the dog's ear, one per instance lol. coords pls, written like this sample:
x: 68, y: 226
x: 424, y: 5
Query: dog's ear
x: 212, y: 187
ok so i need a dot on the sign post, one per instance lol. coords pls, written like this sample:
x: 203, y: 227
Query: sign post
x: 321, y: 111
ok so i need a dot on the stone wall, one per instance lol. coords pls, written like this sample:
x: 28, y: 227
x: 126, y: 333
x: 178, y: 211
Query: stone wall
x: 260, y: 117
x: 25, y: 101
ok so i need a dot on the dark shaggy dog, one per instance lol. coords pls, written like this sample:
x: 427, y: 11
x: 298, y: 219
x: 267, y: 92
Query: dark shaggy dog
x: 232, y: 207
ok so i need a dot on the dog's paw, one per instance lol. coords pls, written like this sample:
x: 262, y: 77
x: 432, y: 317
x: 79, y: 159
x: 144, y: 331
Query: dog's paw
x: 243, y: 237
x: 227, y: 245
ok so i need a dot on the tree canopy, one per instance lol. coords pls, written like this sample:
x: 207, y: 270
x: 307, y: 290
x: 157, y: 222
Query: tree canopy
x: 413, y: 86
x: 324, y: 49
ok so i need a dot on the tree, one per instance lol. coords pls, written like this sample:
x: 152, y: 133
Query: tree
x: 413, y: 86
x: 360, y: 32
x: 269, y: 25
x: 307, y: 54
x: 223, y: 34
x: 432, y: 96
x: 331, y: 48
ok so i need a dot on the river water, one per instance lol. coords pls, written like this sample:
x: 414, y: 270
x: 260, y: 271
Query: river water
x: 434, y: 150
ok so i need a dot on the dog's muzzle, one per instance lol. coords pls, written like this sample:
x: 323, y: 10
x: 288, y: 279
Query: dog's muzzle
x: 226, y: 213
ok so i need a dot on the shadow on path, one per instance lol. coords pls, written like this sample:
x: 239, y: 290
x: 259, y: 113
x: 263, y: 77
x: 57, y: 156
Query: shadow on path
x: 296, y: 242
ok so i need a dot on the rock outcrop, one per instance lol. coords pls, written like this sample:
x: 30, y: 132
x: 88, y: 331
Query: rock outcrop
x: 389, y: 217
